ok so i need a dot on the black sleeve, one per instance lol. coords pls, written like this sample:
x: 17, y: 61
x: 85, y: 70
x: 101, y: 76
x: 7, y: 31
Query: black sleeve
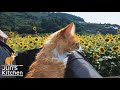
x: 78, y: 67
x: 26, y: 58
x: 5, y: 51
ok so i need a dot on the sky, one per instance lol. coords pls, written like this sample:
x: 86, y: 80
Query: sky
x: 99, y: 17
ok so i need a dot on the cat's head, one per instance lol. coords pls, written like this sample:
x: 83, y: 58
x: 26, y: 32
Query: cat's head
x: 13, y: 55
x: 65, y: 39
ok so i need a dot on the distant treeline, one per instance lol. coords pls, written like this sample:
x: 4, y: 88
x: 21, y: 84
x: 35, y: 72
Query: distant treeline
x: 48, y: 22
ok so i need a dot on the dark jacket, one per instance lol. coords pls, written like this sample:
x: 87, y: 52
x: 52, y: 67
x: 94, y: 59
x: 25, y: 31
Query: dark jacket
x: 26, y: 58
x: 5, y: 51
x: 79, y: 67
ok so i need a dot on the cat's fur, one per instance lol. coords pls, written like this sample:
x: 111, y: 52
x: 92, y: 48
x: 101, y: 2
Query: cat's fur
x: 50, y: 61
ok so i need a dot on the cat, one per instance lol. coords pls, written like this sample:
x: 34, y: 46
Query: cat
x: 9, y: 60
x: 51, y: 61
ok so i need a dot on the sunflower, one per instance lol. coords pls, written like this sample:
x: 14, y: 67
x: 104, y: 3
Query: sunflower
x: 90, y: 36
x: 118, y: 54
x: 41, y: 45
x: 107, y: 40
x: 30, y: 42
x: 108, y: 35
x: 9, y: 39
x: 12, y: 45
x: 93, y: 42
x: 112, y: 40
x: 114, y: 37
x: 100, y: 38
x: 118, y: 38
x: 86, y: 44
x: 95, y: 56
x: 118, y: 30
x: 115, y: 48
x: 34, y: 28
x: 11, y: 34
x: 36, y: 39
x: 21, y: 43
x: 82, y: 42
x: 34, y: 43
x: 101, y: 50
x: 25, y: 46
x: 29, y: 36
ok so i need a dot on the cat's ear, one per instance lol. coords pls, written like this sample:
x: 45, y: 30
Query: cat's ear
x: 69, y: 30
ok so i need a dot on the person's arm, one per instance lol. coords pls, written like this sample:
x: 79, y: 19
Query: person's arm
x: 3, y: 36
x: 5, y: 51
x: 78, y: 67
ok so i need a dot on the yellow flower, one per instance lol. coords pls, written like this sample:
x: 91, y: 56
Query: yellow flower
x: 107, y: 40
x: 12, y: 45
x: 29, y: 36
x: 36, y: 39
x: 34, y: 43
x: 16, y: 43
x: 30, y: 42
x: 11, y: 34
x: 100, y: 38
x: 89, y: 43
x: 93, y: 42
x: 118, y: 54
x: 25, y: 47
x: 101, y: 50
x: 115, y: 48
x: 118, y: 30
x: 86, y: 44
x: 34, y: 28
x: 9, y: 39
x: 90, y: 36
x: 112, y: 40
x: 82, y: 42
x: 118, y: 38
x: 95, y: 56
x: 41, y: 45
x: 21, y: 43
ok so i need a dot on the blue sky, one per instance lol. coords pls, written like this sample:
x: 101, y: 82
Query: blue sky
x: 99, y: 17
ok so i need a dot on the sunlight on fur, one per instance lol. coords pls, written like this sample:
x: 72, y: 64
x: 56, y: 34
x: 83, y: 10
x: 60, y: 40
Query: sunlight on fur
x: 51, y: 60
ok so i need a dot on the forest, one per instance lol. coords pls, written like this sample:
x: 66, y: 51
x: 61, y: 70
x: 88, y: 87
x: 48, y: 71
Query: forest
x: 48, y: 22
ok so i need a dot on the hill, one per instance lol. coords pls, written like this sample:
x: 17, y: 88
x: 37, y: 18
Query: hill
x: 47, y: 22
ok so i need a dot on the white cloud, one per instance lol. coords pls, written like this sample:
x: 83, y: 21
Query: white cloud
x: 99, y: 17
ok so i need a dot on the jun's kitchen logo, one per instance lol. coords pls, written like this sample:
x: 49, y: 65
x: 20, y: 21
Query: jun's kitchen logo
x: 9, y: 69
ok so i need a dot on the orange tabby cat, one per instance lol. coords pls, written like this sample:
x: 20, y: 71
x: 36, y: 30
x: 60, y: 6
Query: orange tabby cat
x: 51, y: 60
x: 9, y: 60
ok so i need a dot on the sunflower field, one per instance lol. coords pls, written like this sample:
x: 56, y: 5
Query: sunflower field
x: 102, y: 51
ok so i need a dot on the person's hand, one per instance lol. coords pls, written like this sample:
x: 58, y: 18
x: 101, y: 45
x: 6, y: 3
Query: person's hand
x: 3, y: 36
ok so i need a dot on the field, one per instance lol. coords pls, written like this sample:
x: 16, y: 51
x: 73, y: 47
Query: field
x: 102, y: 51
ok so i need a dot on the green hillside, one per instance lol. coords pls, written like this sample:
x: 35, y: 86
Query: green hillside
x: 47, y: 22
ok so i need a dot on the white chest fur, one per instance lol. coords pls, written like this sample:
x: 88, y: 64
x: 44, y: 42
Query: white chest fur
x: 60, y: 57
